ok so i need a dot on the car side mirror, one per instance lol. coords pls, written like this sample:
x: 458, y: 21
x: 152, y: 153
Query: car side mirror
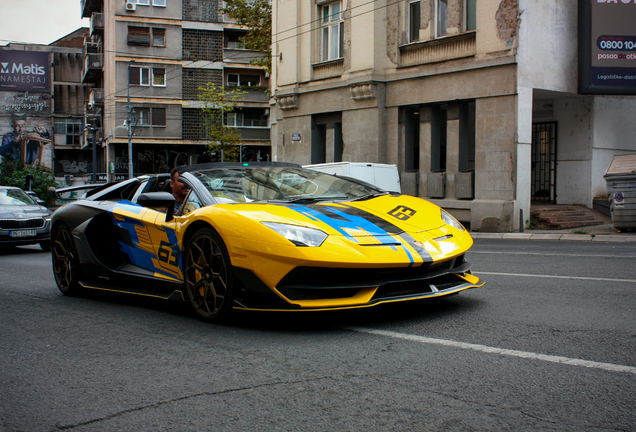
x: 158, y: 200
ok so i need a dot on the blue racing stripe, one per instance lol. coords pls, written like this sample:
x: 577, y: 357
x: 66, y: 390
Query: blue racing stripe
x: 343, y: 221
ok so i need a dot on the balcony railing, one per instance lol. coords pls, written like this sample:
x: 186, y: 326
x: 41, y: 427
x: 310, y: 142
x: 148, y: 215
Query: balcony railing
x: 96, y: 96
x: 437, y: 50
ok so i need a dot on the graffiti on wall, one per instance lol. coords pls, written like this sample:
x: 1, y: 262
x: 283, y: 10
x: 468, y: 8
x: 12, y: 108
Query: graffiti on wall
x: 149, y: 161
x: 74, y: 167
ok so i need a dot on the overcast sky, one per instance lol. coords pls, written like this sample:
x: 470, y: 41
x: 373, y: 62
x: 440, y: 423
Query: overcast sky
x: 39, y: 21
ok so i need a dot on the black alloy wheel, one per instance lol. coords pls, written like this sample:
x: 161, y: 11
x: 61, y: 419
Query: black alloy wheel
x: 208, y: 276
x: 66, y: 266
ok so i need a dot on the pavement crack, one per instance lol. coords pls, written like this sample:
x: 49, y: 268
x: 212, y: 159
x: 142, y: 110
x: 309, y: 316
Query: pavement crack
x: 182, y: 398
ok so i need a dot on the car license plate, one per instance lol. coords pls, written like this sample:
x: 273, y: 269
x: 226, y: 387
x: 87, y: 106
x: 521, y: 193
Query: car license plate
x: 23, y: 233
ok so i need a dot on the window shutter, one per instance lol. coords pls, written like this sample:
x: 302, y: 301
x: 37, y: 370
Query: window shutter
x: 133, y: 76
x: 139, y: 36
x: 158, y: 116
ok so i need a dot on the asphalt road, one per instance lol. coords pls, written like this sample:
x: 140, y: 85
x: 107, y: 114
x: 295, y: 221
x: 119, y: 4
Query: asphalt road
x: 549, y: 344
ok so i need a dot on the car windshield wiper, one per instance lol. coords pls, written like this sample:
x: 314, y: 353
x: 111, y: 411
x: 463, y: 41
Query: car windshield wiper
x: 369, y: 196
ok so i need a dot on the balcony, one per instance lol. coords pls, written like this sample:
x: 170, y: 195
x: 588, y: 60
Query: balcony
x: 438, y: 50
x: 97, y: 23
x: 93, y: 60
x: 236, y: 55
x: 92, y: 71
x: 90, y: 6
x: 96, y: 96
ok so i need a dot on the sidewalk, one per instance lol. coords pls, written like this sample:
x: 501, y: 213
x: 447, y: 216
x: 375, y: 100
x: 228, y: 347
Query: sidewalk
x: 596, y: 233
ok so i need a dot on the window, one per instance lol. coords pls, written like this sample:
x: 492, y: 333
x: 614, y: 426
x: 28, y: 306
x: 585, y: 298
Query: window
x: 441, y: 17
x: 158, y: 116
x: 159, y: 3
x: 439, y: 125
x: 145, y: 35
x: 158, y: 77
x: 233, y: 41
x: 414, y: 21
x: 72, y: 128
x: 158, y: 37
x: 234, y: 119
x: 149, y: 116
x: 243, y: 80
x: 139, y: 36
x: 141, y: 76
x: 139, y: 2
x: 332, y: 29
x: 246, y: 118
x: 471, y: 15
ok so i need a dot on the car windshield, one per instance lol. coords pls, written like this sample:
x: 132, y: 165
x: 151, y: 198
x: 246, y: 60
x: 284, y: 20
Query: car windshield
x: 14, y: 197
x: 280, y: 184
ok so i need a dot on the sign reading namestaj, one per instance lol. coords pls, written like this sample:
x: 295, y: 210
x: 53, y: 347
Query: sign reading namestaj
x: 24, y: 71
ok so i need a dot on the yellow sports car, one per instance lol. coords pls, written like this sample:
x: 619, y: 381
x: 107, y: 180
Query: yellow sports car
x: 259, y: 236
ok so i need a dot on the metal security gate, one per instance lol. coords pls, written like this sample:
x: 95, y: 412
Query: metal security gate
x: 544, y: 162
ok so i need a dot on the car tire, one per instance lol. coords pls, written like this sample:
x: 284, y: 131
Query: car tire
x: 66, y: 266
x: 208, y: 276
x: 46, y: 246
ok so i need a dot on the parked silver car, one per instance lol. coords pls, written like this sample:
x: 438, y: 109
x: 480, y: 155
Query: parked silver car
x: 22, y: 220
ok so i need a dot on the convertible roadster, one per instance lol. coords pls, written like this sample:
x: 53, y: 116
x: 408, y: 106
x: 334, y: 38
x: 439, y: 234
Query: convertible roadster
x: 259, y: 236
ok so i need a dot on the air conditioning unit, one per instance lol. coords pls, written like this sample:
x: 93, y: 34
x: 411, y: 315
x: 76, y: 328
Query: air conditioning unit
x: 131, y: 6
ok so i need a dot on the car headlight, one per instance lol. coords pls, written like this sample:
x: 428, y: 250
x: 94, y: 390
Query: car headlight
x: 298, y: 235
x: 450, y: 220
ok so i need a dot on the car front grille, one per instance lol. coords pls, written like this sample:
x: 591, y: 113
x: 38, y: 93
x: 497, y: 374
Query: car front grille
x: 21, y: 223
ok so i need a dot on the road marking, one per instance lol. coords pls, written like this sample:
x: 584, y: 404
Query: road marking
x: 501, y: 351
x: 559, y: 277
x: 474, y: 251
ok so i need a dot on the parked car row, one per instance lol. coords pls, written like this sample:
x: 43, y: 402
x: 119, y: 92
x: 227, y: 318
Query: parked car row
x: 23, y: 220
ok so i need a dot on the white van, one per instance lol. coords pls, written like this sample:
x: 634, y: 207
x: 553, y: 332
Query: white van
x: 384, y: 176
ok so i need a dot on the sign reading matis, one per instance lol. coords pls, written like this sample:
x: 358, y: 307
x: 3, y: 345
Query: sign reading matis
x: 24, y: 71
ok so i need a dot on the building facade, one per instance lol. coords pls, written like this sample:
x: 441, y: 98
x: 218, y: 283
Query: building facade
x: 42, y: 106
x: 145, y: 61
x: 476, y: 102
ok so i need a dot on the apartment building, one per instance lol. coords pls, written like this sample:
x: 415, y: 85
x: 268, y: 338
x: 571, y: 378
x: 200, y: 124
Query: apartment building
x: 145, y: 61
x: 477, y: 102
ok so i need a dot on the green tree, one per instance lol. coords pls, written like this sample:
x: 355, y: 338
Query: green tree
x: 220, y: 101
x: 13, y: 173
x: 257, y: 16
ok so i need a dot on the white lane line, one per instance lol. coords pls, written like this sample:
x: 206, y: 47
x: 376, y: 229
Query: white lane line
x: 558, y: 277
x: 474, y: 251
x: 501, y: 351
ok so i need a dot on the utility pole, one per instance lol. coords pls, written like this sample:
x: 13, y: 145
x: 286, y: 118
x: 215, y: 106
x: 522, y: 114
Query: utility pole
x: 93, y: 129
x: 130, y: 110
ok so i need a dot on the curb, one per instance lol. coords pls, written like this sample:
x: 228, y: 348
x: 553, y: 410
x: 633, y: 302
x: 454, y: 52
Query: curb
x: 566, y: 236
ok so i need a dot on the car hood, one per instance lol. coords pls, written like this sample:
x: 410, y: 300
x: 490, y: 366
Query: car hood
x: 23, y: 212
x: 386, y: 214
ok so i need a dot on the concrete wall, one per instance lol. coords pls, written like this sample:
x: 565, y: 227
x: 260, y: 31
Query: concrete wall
x: 548, y: 45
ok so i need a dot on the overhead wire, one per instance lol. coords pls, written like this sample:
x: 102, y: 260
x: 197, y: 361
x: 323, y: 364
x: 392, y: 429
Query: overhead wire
x: 113, y: 97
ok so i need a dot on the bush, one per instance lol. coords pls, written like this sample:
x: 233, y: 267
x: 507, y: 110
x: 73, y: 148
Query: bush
x: 13, y: 173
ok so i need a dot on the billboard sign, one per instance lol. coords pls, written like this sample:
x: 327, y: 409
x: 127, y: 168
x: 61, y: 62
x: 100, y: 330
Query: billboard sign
x: 24, y: 71
x: 607, y: 47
